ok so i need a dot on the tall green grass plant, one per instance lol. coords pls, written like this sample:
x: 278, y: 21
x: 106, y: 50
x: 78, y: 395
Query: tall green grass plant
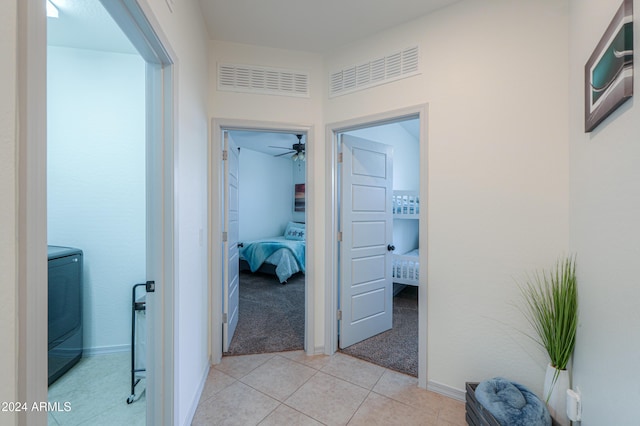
x: 551, y: 307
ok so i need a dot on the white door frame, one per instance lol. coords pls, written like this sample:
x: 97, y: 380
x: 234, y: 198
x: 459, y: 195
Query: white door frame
x: 136, y: 19
x: 332, y: 218
x: 216, y: 194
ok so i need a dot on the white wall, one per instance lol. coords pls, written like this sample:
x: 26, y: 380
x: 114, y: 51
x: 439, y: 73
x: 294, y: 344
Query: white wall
x: 8, y: 208
x: 604, y: 212
x: 496, y: 86
x: 96, y: 181
x: 265, y: 194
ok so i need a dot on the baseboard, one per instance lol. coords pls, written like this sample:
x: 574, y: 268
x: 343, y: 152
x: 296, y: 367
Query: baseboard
x: 318, y: 350
x: 194, y: 404
x: 104, y: 350
x: 445, y: 390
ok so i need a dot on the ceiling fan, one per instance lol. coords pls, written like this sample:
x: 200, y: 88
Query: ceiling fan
x: 297, y: 149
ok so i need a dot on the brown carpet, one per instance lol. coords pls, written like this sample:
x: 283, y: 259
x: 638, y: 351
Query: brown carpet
x: 396, y: 349
x: 271, y: 317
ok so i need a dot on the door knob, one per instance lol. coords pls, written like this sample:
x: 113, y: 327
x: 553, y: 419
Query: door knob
x: 391, y: 247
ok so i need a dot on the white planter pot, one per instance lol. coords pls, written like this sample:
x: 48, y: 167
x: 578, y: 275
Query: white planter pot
x: 555, y: 394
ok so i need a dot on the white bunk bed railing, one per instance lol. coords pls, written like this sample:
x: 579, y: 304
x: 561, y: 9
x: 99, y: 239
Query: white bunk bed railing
x: 406, y: 269
x: 406, y: 204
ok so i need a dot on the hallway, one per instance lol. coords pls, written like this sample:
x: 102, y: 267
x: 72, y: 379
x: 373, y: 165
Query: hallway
x: 295, y: 389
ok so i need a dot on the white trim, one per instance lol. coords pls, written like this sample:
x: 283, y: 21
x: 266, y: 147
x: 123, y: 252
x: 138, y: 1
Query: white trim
x: 105, y: 350
x: 445, y: 390
x: 215, y: 226
x: 331, y: 216
x: 31, y: 267
x: 140, y: 25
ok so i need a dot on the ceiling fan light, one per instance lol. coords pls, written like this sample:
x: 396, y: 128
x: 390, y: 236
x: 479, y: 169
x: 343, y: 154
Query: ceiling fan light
x: 301, y: 156
x: 294, y: 157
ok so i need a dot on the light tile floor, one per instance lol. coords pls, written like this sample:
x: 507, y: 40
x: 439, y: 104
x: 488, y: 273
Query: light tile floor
x: 97, y: 388
x: 291, y: 388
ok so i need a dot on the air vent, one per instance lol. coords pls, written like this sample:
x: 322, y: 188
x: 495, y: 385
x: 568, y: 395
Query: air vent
x: 395, y: 66
x: 271, y: 81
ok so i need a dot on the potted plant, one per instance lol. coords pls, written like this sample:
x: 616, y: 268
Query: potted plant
x: 551, y: 307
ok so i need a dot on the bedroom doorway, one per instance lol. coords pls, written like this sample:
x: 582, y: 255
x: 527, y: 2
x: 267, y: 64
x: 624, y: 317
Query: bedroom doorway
x: 263, y: 217
x: 400, y: 343
x: 396, y: 345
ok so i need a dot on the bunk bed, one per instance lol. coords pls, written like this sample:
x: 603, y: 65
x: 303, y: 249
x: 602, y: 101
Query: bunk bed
x: 406, y: 267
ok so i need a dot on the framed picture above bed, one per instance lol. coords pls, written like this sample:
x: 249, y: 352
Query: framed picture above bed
x: 609, y: 71
x: 299, y: 198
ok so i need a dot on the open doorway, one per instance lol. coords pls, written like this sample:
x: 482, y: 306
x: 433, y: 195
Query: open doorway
x: 397, y: 347
x: 269, y: 183
x: 96, y: 147
x: 110, y: 173
x: 284, y: 148
x: 365, y: 265
x: 271, y: 244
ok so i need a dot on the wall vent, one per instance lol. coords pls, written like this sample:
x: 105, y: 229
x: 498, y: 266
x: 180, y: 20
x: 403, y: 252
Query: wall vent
x: 397, y: 65
x: 264, y: 80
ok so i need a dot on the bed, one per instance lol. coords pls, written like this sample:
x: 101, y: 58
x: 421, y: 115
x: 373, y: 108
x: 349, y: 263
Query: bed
x: 281, y: 255
x: 406, y: 268
x: 406, y: 205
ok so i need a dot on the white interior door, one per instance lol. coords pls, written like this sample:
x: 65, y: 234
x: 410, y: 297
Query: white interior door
x: 231, y: 265
x: 366, y: 223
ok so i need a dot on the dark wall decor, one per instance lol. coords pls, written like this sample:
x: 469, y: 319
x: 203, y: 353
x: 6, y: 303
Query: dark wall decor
x: 609, y: 70
x: 299, y: 197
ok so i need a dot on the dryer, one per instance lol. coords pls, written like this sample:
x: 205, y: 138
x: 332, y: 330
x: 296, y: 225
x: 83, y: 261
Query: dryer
x: 65, y: 309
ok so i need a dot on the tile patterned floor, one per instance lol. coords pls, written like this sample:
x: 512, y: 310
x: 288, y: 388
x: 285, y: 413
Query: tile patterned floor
x: 291, y: 388
x: 97, y: 388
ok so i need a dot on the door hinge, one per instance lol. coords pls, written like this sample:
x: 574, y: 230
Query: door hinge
x: 224, y: 237
x: 339, y: 315
x: 150, y: 286
x: 225, y: 155
x: 339, y: 157
x: 224, y: 318
x: 339, y: 235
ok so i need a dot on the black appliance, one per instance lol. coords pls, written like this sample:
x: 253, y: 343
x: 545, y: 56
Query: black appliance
x: 65, y: 309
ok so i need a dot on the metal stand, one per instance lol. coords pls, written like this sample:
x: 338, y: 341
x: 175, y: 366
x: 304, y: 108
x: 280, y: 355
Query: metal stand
x: 135, y: 307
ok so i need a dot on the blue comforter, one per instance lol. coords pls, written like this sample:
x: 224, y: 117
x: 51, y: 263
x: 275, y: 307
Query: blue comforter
x: 258, y: 251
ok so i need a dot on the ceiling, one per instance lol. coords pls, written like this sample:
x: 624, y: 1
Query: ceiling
x: 308, y: 25
x: 85, y: 24
x: 266, y: 141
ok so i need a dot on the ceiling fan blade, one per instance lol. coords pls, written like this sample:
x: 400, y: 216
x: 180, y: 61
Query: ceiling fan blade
x: 279, y: 147
x: 285, y: 153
